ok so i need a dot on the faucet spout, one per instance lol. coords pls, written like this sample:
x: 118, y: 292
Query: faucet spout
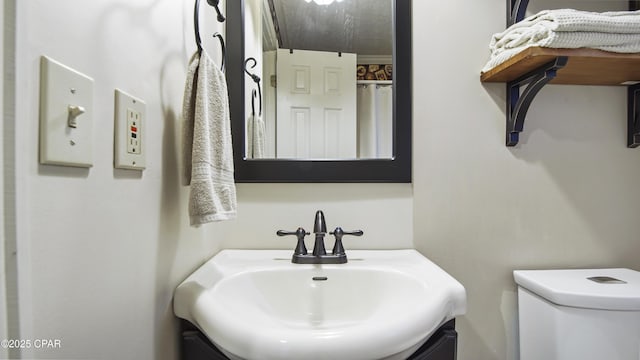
x: 319, y: 226
x: 320, y: 230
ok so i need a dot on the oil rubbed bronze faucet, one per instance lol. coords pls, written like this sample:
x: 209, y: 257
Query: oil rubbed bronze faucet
x: 319, y: 254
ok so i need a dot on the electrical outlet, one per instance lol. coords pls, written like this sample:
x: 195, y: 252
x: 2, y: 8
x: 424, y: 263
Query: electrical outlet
x: 129, y: 132
x: 134, y: 131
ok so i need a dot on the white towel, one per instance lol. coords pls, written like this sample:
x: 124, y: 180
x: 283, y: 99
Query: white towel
x: 615, y: 31
x: 255, y: 137
x: 615, y: 22
x: 208, y: 152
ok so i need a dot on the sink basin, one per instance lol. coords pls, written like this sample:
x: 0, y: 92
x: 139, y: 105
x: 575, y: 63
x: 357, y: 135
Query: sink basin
x: 256, y: 304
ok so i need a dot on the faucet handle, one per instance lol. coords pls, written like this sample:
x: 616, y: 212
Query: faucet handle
x: 300, y: 233
x: 354, y: 232
x: 338, y: 249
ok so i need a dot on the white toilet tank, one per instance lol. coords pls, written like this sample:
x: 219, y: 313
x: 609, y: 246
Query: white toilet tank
x: 579, y: 314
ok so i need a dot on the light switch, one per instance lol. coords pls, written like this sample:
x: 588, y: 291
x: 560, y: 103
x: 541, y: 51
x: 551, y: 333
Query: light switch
x: 66, y: 115
x: 129, y: 132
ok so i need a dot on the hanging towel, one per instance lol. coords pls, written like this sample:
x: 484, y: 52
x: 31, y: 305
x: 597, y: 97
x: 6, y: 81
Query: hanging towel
x: 255, y: 136
x: 208, y: 153
x: 614, y: 31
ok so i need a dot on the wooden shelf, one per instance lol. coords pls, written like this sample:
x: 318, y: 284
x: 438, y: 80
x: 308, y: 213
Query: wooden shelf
x: 531, y: 69
x: 584, y: 67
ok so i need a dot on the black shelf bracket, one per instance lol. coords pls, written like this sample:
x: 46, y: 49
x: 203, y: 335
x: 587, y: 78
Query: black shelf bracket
x: 518, y: 103
x: 633, y: 116
x: 516, y: 10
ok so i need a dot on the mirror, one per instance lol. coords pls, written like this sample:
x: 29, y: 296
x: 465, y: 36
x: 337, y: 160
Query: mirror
x: 311, y: 153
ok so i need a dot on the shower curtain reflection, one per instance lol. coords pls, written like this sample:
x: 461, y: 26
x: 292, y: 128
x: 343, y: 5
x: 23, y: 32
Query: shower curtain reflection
x: 375, y: 120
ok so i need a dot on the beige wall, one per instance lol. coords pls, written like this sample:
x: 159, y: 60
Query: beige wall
x: 9, y: 278
x: 101, y: 250
x: 3, y: 295
x: 383, y: 211
x: 566, y: 197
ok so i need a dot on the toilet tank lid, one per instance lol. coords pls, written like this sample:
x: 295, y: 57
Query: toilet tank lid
x: 585, y: 288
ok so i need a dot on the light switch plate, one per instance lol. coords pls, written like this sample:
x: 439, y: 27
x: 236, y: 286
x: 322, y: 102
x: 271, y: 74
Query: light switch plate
x: 66, y: 115
x: 129, y: 133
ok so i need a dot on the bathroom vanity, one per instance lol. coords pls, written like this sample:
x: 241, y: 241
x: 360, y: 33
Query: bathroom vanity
x: 380, y: 305
x: 440, y: 346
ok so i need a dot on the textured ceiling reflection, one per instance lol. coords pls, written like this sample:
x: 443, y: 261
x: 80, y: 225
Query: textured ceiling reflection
x: 363, y: 27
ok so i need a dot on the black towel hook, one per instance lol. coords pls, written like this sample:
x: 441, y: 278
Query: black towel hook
x: 196, y: 19
x: 224, y: 52
x: 255, y: 79
x: 215, y: 4
x: 253, y: 102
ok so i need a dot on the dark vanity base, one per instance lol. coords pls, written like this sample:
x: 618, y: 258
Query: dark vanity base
x: 440, y: 346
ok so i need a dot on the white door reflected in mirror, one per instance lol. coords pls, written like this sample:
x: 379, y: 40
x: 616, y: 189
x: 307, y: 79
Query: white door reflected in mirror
x: 316, y: 105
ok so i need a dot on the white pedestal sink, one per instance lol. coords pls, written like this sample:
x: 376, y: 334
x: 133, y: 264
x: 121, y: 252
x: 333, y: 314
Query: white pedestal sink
x: 256, y: 304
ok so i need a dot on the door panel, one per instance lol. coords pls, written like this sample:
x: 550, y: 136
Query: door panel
x: 324, y: 84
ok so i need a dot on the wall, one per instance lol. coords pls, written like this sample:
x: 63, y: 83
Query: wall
x: 566, y: 197
x: 9, y: 320
x: 3, y: 295
x: 383, y: 211
x: 101, y: 250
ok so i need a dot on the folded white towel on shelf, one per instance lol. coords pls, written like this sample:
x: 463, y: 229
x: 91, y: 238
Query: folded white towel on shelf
x: 208, y: 152
x: 615, y: 31
x: 255, y: 136
x: 618, y: 22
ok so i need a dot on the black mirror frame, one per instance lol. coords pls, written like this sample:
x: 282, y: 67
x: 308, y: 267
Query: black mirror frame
x: 395, y: 170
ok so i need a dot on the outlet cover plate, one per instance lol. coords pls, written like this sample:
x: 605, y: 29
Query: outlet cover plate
x: 62, y: 88
x: 129, y: 132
